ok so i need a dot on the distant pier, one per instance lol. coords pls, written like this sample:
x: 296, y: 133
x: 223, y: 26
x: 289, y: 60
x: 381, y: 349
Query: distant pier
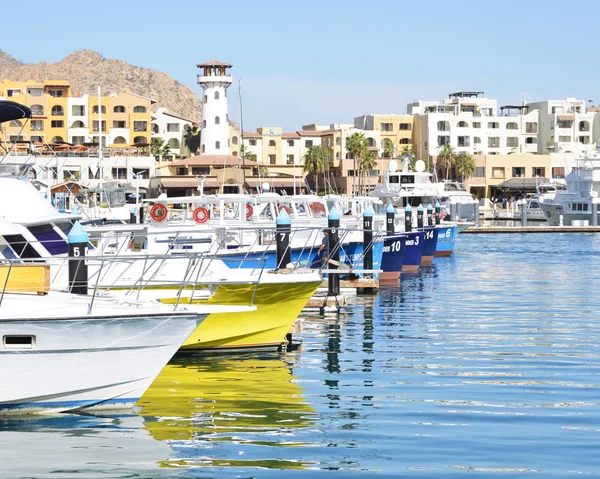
x: 531, y: 229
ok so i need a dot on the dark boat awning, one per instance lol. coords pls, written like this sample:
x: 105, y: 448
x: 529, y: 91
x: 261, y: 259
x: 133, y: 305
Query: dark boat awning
x: 10, y: 110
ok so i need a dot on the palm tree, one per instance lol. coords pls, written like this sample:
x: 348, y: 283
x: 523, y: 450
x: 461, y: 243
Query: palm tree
x: 357, y: 146
x: 389, y: 149
x: 315, y: 162
x: 191, y: 138
x: 367, y: 164
x: 465, y: 165
x: 446, y: 157
x: 158, y: 148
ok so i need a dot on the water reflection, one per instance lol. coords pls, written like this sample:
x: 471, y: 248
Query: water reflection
x: 229, y: 405
x: 79, y: 446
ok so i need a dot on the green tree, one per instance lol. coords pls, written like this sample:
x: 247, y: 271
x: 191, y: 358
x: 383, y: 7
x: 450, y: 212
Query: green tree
x: 315, y: 161
x: 367, y: 164
x: 158, y: 148
x: 465, y: 165
x: 389, y: 150
x: 357, y: 146
x: 191, y: 138
x: 446, y: 158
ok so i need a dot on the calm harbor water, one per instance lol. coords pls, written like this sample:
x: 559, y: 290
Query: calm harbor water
x: 486, y: 364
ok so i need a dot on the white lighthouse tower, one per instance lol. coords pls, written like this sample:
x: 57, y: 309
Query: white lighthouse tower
x: 214, y: 79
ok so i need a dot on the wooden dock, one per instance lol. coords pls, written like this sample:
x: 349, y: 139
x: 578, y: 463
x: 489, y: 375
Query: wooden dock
x: 531, y: 229
x: 325, y: 303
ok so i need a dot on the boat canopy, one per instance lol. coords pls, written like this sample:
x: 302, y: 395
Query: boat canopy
x: 10, y: 110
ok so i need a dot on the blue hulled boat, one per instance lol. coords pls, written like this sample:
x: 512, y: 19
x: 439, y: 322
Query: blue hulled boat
x: 446, y: 240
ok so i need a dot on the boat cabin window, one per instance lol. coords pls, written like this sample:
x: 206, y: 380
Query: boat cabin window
x: 394, y: 179
x: 50, y: 239
x: 407, y: 179
x: 21, y: 246
x: 231, y: 189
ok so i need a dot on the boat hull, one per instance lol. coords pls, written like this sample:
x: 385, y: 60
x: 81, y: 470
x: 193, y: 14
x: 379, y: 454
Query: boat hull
x: 87, y: 363
x: 429, y: 245
x: 277, y: 308
x: 446, y: 240
x: 392, y: 258
x: 413, y: 251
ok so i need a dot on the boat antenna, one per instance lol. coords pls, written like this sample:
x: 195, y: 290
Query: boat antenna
x: 243, y: 150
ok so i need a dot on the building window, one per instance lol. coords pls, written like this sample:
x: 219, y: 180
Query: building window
x: 271, y: 142
x: 181, y: 171
x: 564, y: 139
x: 443, y: 126
x: 139, y: 109
x: 58, y: 124
x: 78, y: 110
x: 558, y: 172
x: 464, y: 141
x: 37, y: 110
x: 463, y: 124
x: 139, y: 140
x: 405, y: 126
x: 290, y: 142
x: 512, y: 126
x: 119, y: 140
x: 443, y: 140
x: 387, y: 127
x: 119, y: 124
x: 493, y: 142
x: 584, y: 139
x: 216, y: 95
x: 57, y: 110
x: 203, y: 149
x: 497, y: 172
x: 252, y: 142
x: 200, y: 170
x: 37, y: 125
x: 479, y: 172
x: 95, y: 109
x: 512, y: 141
x: 119, y: 109
x: 40, y: 139
x: 55, y: 93
x: 405, y: 141
x: 531, y: 140
x: 172, y: 127
x: 493, y: 125
x: 217, y: 120
x: 139, y: 125
x: 78, y: 140
x: 143, y: 173
x: 205, y: 99
x: 119, y: 173
x: 217, y: 145
x: 338, y: 141
x: 272, y: 159
x: 476, y: 124
x: 35, y: 91
x: 15, y: 138
x: 531, y: 127
x: 174, y: 143
x: 289, y: 160
x: 204, y: 124
x: 308, y: 143
x: 234, y: 140
x: 518, y: 171
x: 538, y: 171
x: 95, y: 125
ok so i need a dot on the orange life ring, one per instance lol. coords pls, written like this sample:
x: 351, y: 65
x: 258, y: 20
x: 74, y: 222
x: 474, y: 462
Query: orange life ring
x: 159, y: 212
x: 284, y: 208
x: 249, y: 211
x: 200, y: 215
x: 317, y: 208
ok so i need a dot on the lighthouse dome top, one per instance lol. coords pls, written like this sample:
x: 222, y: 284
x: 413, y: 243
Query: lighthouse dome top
x: 214, y: 63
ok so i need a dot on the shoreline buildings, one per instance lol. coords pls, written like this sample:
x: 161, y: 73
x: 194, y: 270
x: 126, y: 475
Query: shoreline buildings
x: 537, y: 140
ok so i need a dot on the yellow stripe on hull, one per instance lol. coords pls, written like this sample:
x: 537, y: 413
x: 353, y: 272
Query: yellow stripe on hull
x: 277, y: 307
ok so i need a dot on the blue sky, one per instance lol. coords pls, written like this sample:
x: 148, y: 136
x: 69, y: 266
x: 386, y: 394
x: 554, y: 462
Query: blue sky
x: 327, y: 62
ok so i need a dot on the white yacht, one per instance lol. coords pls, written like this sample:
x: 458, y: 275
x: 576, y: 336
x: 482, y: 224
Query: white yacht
x: 573, y: 206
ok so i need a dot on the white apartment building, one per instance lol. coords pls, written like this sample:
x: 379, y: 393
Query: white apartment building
x: 471, y: 123
x: 566, y: 126
x: 170, y: 128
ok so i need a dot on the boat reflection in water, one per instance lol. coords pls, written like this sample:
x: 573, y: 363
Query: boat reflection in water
x: 78, y: 446
x: 216, y: 411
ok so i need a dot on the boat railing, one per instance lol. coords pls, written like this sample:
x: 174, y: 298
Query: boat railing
x: 103, y: 276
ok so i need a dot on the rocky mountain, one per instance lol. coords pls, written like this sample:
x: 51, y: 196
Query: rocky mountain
x: 86, y: 69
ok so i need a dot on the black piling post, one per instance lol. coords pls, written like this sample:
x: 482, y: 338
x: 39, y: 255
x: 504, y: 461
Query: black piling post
x: 284, y: 228
x: 390, y: 216
x: 429, y: 215
x: 438, y: 213
x: 78, y: 271
x: 334, y: 252
x: 408, y: 219
x: 420, y: 212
